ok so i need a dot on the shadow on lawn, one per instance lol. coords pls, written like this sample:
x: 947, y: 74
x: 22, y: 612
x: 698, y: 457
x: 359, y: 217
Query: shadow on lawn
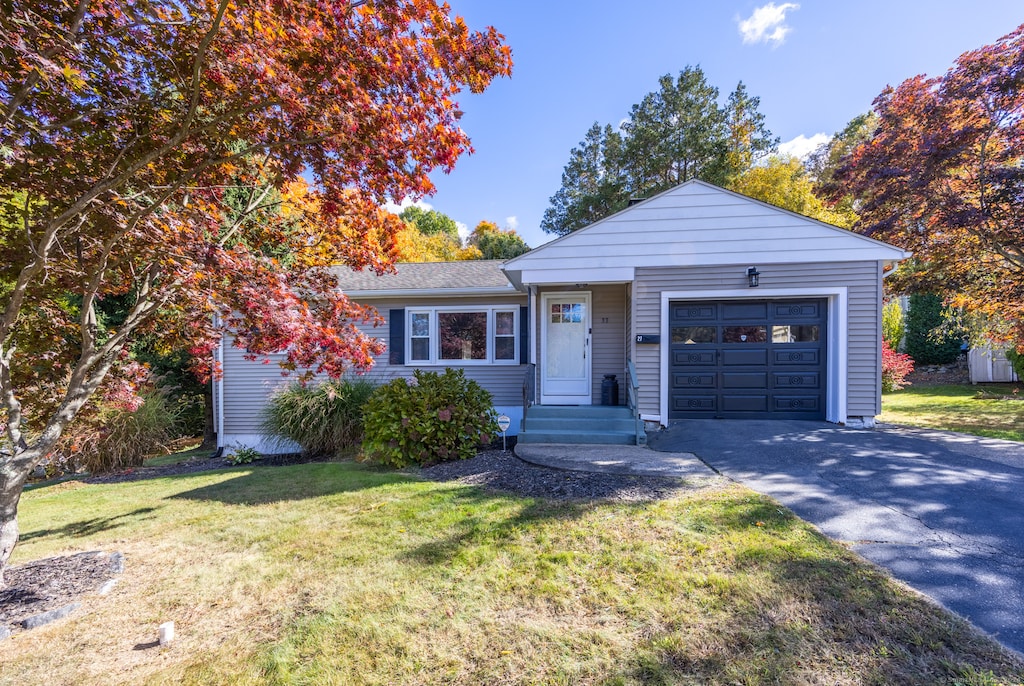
x: 88, y: 527
x: 299, y: 482
x: 476, y: 528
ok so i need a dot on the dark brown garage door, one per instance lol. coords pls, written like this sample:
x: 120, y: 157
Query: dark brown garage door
x: 747, y: 359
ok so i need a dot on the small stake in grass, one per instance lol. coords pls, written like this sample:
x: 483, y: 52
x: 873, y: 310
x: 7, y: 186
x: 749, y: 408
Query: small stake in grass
x: 503, y: 423
x: 166, y: 633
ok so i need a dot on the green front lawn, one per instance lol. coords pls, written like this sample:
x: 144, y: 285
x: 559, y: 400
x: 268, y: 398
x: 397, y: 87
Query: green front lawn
x: 996, y: 414
x: 339, y: 573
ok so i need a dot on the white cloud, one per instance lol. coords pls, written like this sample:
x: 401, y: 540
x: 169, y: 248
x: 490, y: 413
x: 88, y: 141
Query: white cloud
x: 767, y: 24
x: 406, y: 202
x: 512, y: 222
x: 801, y: 146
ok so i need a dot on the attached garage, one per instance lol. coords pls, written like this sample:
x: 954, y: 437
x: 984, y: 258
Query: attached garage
x: 703, y: 338
x: 738, y: 359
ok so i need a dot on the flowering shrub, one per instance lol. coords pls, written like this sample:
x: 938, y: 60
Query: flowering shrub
x: 426, y: 419
x: 895, y: 367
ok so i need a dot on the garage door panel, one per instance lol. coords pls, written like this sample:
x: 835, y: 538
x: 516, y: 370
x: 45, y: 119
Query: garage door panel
x: 796, y: 379
x: 806, y: 404
x: 748, y: 359
x: 693, y: 380
x: 694, y: 357
x: 741, y: 310
x: 744, y: 357
x: 695, y: 403
x: 744, y: 403
x: 797, y: 310
x: 694, y: 312
x: 799, y: 357
x: 745, y: 380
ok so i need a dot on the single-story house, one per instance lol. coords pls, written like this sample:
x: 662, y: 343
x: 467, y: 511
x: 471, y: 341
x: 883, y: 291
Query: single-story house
x: 701, y: 301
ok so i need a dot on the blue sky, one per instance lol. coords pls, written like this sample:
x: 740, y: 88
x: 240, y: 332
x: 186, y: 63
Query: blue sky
x: 814, y: 64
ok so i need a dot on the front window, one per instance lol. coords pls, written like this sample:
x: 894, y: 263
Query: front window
x: 465, y: 336
x: 419, y: 337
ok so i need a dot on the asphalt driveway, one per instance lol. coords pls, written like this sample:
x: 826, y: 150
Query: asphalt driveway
x: 943, y: 512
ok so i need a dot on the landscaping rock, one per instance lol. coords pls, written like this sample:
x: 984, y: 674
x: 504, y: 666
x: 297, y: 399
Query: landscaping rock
x: 51, y: 616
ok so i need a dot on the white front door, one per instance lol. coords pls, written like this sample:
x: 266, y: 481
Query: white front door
x: 565, y: 348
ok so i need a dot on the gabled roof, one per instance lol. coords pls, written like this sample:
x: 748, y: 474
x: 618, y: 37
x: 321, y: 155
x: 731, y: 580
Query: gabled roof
x: 693, y: 224
x: 412, y: 278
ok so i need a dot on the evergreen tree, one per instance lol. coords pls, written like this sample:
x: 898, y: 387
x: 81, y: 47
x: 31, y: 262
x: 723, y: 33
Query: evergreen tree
x: 593, y: 183
x: 674, y: 134
x: 930, y: 339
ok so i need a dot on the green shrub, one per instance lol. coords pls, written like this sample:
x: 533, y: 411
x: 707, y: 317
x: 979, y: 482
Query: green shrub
x: 126, y: 438
x: 893, y: 324
x: 244, y: 455
x: 1016, y: 361
x: 429, y: 418
x: 931, y: 339
x: 324, y: 418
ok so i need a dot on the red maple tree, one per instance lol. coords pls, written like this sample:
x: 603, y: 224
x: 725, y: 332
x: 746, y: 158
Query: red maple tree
x: 137, y: 137
x: 943, y: 176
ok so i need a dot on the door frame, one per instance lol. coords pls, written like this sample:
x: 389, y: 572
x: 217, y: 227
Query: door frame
x: 836, y: 300
x: 582, y: 399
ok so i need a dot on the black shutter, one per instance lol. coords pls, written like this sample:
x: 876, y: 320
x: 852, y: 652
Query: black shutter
x: 396, y: 336
x: 524, y: 335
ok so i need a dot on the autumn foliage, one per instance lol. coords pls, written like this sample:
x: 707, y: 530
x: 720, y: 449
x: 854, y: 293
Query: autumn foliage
x: 140, y: 140
x: 896, y: 366
x: 942, y: 176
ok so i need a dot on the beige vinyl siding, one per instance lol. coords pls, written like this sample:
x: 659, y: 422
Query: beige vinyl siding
x: 609, y: 355
x: 248, y: 384
x: 862, y: 279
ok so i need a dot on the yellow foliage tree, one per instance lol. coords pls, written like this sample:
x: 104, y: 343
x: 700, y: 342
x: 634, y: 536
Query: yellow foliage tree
x: 412, y: 246
x: 783, y: 182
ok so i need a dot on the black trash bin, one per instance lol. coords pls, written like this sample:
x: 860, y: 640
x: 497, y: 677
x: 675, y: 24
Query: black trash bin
x: 609, y: 390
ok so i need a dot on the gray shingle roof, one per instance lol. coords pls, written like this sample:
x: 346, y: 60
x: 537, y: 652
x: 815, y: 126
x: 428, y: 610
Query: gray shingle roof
x: 427, y: 276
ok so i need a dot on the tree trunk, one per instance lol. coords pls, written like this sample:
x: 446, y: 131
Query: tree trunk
x: 13, y: 474
x: 209, y: 427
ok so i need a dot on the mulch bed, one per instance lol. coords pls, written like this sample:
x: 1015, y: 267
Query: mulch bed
x: 503, y: 471
x: 55, y: 582
x: 43, y: 585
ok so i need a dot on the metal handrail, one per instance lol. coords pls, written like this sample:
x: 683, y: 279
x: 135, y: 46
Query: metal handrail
x: 633, y: 401
x: 529, y: 382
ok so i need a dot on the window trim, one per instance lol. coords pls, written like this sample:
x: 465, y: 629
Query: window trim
x: 434, y: 359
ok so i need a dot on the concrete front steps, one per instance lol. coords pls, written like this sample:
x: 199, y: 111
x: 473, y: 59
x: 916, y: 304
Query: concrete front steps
x: 578, y: 425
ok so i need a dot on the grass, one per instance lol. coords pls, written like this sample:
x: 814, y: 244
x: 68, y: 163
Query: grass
x: 956, y: 408
x: 338, y: 573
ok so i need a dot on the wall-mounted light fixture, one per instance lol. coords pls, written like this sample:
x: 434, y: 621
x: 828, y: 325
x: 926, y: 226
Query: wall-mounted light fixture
x: 752, y: 276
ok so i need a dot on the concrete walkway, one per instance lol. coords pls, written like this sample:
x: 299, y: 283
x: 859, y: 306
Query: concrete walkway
x: 629, y: 460
x: 943, y: 512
